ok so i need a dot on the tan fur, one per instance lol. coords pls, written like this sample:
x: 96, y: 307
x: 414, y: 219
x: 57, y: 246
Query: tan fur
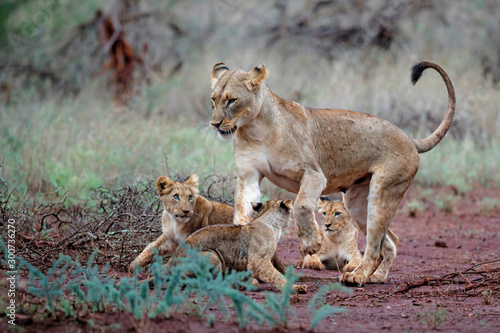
x: 339, y: 249
x: 183, y: 216
x: 247, y: 247
x: 320, y: 151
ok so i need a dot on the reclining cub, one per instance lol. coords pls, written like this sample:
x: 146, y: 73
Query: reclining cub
x: 184, y: 213
x: 340, y: 240
x: 245, y: 247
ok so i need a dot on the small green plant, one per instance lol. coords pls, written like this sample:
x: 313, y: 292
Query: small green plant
x: 488, y: 204
x: 317, y: 307
x: 447, y: 202
x: 414, y: 206
x: 433, y: 317
x: 486, y: 296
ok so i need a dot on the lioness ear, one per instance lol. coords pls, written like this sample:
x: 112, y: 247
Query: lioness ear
x: 256, y: 76
x: 219, y: 69
x: 257, y: 206
x: 286, y: 205
x: 162, y: 183
x: 193, y: 180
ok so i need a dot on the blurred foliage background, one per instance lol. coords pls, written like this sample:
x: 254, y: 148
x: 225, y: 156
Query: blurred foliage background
x: 69, y: 122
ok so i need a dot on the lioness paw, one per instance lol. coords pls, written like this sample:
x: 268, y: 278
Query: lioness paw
x: 353, y: 278
x: 299, y: 263
x: 377, y: 278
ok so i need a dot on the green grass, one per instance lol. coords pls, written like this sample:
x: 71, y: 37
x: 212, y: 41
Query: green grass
x: 82, y: 145
x: 464, y: 164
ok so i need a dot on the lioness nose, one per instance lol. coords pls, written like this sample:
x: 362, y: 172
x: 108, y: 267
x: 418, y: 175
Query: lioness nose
x: 328, y: 225
x: 217, y: 125
x: 185, y: 211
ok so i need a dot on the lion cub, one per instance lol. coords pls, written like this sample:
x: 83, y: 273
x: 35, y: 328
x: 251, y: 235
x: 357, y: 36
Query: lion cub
x: 340, y: 240
x: 245, y: 247
x: 184, y: 212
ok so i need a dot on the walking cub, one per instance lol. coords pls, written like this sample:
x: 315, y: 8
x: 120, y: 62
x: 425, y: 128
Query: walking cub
x: 340, y: 240
x: 185, y: 211
x: 245, y: 247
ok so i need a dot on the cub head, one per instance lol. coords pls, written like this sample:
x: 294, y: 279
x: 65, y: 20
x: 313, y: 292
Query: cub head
x: 277, y: 210
x: 178, y: 199
x: 335, y: 216
x: 236, y: 98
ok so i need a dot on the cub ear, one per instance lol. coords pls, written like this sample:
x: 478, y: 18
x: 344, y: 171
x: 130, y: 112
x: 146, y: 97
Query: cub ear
x: 193, y: 180
x: 162, y: 183
x: 219, y: 69
x: 257, y: 206
x: 286, y: 205
x: 256, y: 76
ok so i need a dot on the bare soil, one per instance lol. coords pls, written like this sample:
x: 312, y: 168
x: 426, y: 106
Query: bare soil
x: 446, y: 278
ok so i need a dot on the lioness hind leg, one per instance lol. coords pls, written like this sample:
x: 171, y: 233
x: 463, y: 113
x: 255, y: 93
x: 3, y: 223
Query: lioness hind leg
x: 382, y: 203
x: 389, y: 251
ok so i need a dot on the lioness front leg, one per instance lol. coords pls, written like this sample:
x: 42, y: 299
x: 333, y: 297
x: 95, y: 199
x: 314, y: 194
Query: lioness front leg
x: 163, y: 244
x: 311, y: 186
x: 247, y: 191
x: 264, y: 270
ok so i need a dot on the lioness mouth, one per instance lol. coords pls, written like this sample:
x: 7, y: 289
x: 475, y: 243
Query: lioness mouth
x: 231, y: 131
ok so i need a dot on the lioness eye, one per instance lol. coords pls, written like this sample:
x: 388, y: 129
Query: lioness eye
x: 190, y: 198
x: 231, y: 101
x: 337, y: 213
x: 176, y: 197
x: 324, y: 213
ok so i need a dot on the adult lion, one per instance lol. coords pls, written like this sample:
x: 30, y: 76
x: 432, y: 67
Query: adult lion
x: 321, y: 151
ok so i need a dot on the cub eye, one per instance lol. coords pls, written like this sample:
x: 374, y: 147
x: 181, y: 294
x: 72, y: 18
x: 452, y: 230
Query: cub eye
x: 324, y: 213
x: 176, y: 197
x: 231, y: 101
x: 337, y: 213
x: 190, y: 198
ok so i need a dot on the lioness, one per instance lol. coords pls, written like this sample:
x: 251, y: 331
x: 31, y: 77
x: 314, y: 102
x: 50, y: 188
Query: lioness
x: 321, y: 151
x: 247, y: 247
x: 339, y: 249
x: 185, y: 211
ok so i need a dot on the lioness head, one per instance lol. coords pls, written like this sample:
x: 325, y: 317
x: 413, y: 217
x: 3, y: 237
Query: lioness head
x: 236, y: 98
x: 178, y: 199
x: 278, y: 211
x: 335, y: 215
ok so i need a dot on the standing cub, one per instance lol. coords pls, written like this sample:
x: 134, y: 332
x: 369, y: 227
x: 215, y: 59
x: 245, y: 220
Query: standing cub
x: 245, y: 247
x: 340, y: 240
x: 185, y: 211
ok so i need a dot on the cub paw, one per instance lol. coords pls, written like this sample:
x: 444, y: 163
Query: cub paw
x: 351, y: 265
x: 132, y: 265
x: 352, y: 278
x: 300, y: 288
x: 313, y: 263
x: 299, y: 263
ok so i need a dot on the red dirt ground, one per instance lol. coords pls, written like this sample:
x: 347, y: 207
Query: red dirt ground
x: 434, y: 242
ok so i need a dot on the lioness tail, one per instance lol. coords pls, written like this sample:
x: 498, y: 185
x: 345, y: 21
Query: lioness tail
x: 432, y: 140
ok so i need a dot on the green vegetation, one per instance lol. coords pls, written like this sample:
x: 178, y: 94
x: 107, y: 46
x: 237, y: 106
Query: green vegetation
x: 68, y: 288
